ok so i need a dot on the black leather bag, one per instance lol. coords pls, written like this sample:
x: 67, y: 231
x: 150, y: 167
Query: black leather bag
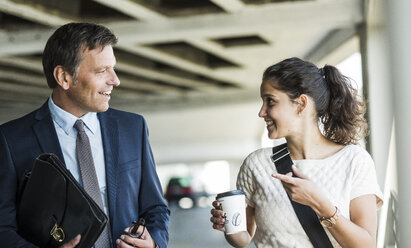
x: 53, y: 207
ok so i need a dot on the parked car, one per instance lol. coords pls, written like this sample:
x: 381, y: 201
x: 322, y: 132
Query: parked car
x: 183, y: 189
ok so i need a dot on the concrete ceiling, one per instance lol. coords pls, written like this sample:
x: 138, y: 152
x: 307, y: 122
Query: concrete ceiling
x: 193, y: 68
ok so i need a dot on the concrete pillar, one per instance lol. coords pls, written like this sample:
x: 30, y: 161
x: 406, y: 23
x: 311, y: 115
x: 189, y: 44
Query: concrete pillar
x: 378, y: 87
x: 399, y: 26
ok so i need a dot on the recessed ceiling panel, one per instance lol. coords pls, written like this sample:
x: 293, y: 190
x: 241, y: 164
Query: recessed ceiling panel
x: 241, y: 41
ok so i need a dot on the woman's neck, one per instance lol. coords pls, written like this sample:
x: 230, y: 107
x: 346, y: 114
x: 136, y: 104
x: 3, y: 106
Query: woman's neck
x: 311, y: 144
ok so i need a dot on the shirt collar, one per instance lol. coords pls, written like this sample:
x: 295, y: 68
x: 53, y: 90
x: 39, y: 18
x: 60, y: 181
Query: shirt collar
x: 66, y: 121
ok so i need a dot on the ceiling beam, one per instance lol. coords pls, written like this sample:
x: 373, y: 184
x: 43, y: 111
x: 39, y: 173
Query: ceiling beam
x: 176, y: 62
x: 29, y: 12
x: 347, y: 49
x: 230, y: 6
x: 32, y: 64
x: 330, y: 43
x: 132, y: 9
x: 23, y: 41
x: 14, y: 98
x: 145, y: 85
x: 28, y: 79
x: 164, y: 77
x: 215, y: 49
x: 26, y: 89
x: 145, y: 14
x: 295, y: 16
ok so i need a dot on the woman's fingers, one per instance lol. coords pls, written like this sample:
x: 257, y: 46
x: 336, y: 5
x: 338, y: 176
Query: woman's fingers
x: 218, y: 216
x: 297, y: 172
x: 219, y: 227
x: 217, y: 204
x: 217, y: 212
x: 288, y: 178
x: 218, y: 223
x: 285, y: 178
x: 217, y: 220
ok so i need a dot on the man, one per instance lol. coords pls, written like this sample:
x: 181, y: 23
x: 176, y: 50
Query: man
x: 78, y: 62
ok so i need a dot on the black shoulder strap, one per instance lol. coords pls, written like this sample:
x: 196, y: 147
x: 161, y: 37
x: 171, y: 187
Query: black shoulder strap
x: 307, y: 217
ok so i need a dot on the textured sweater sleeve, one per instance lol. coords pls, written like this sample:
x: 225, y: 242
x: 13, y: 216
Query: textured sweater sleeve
x: 365, y: 178
x: 246, y: 182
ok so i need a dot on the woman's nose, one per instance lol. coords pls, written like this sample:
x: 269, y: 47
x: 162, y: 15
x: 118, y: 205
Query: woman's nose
x: 262, y: 112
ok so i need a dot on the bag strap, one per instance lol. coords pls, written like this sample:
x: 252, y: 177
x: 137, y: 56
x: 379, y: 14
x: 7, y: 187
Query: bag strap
x: 306, y: 215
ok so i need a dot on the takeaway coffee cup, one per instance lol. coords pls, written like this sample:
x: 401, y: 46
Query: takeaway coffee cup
x: 233, y: 204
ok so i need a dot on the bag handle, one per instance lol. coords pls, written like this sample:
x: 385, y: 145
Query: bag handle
x: 306, y: 215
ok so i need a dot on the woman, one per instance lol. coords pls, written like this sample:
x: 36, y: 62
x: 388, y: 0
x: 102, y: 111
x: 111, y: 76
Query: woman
x: 321, y: 117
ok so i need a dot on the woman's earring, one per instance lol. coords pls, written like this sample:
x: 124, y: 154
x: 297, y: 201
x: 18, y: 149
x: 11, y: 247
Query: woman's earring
x: 299, y: 111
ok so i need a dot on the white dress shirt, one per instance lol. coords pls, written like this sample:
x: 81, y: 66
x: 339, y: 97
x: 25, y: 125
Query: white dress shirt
x: 67, y: 135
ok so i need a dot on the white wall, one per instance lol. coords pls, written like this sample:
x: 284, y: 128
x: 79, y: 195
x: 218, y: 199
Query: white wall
x: 225, y: 132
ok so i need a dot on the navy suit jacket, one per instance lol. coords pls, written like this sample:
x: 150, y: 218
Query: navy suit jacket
x: 133, y: 187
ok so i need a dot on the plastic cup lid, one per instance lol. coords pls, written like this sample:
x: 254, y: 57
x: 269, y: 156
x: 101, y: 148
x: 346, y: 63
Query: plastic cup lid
x: 230, y: 193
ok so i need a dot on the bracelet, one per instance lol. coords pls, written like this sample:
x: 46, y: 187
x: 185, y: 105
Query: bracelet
x: 330, y: 221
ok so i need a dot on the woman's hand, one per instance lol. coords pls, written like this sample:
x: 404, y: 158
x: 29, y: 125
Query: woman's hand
x: 218, y: 216
x: 240, y: 239
x: 302, y: 190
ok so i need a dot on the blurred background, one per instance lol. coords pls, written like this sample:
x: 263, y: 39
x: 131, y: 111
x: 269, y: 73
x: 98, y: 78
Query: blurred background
x: 193, y: 69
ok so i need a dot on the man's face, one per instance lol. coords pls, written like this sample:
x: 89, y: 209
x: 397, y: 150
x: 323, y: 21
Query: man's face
x: 96, y: 77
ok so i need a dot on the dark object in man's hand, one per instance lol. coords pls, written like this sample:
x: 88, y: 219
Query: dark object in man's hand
x: 137, y: 228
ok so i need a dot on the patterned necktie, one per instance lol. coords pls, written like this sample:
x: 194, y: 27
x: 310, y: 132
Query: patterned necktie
x: 89, y: 177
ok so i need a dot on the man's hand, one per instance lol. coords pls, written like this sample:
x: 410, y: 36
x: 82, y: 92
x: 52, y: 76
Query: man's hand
x: 72, y: 243
x: 146, y: 241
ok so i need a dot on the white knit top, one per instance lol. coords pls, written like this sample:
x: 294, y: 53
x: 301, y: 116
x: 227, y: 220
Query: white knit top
x: 347, y: 174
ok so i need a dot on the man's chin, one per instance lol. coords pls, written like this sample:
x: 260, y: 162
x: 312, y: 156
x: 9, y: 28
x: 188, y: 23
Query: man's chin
x: 102, y: 109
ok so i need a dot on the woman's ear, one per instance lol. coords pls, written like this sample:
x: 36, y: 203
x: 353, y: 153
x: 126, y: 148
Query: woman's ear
x: 63, y: 77
x: 302, y: 103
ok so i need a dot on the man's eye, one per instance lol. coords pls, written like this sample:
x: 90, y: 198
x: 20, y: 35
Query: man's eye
x: 102, y: 71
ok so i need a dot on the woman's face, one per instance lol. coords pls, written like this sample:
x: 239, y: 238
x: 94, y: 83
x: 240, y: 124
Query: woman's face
x: 280, y: 113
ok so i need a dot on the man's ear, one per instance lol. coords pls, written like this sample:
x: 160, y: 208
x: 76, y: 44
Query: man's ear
x: 63, y: 77
x: 302, y: 102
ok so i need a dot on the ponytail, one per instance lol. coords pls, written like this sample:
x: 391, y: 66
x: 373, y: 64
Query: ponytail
x: 343, y: 121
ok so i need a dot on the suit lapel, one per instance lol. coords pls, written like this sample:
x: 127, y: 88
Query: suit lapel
x: 46, y: 133
x: 109, y: 133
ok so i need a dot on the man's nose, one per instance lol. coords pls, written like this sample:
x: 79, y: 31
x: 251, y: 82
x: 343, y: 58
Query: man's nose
x: 114, y: 79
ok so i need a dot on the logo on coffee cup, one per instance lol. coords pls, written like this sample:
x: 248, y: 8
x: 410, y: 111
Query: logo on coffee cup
x: 236, y: 221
